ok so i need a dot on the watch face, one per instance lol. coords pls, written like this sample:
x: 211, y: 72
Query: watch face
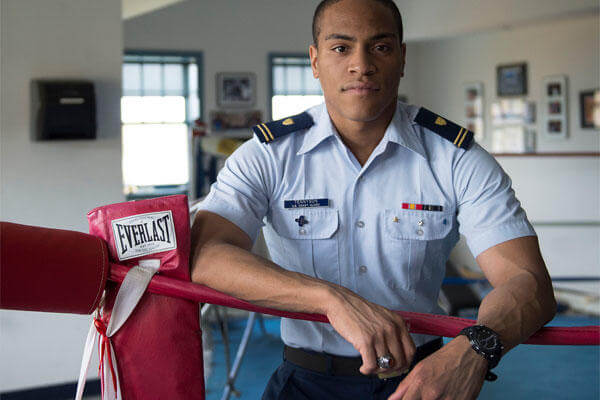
x: 487, y: 341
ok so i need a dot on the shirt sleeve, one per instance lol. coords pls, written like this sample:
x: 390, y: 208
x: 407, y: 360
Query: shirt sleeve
x: 488, y: 210
x: 241, y: 192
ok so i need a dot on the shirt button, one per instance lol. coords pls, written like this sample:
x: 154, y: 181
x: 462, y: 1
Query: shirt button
x: 420, y: 232
x: 303, y: 231
x: 362, y: 269
x: 420, y: 223
x: 360, y: 224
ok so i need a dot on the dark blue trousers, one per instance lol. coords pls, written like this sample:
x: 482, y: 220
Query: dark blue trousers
x: 291, y: 382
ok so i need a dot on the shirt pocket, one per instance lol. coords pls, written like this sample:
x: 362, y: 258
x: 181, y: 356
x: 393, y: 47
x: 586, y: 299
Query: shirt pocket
x: 410, y: 237
x: 309, y: 236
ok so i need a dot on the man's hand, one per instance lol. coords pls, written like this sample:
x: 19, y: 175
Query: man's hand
x: 373, y: 330
x: 453, y: 372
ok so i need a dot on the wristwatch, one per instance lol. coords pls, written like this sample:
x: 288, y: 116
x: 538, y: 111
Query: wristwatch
x: 486, y: 343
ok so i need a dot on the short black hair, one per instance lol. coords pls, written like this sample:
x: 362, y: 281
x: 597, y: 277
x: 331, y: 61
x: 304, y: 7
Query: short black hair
x: 324, y: 4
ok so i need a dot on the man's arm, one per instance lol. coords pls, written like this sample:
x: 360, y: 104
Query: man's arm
x: 221, y: 259
x: 523, y: 299
x: 521, y: 302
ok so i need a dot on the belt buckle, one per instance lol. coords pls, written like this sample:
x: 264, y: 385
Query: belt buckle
x: 393, y: 374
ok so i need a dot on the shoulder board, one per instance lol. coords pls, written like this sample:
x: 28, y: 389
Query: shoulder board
x: 459, y: 136
x: 267, y: 132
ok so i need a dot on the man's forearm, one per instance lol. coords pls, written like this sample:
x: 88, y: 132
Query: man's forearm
x: 518, y: 308
x: 239, y: 273
x: 231, y: 269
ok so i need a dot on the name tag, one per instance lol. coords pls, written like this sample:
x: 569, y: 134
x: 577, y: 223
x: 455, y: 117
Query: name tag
x: 306, y: 203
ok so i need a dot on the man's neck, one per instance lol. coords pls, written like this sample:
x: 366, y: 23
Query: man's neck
x: 362, y: 137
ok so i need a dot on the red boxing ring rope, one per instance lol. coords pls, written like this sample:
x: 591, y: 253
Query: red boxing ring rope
x: 429, y: 324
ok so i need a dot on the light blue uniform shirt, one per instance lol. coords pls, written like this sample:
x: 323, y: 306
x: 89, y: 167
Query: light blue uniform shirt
x: 364, y: 240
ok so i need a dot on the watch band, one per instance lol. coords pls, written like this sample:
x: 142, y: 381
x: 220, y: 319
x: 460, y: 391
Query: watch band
x: 487, y: 344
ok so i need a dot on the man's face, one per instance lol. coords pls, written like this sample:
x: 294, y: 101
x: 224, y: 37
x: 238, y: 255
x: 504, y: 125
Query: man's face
x: 359, y: 59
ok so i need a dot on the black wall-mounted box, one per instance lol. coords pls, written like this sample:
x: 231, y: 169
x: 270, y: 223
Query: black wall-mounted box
x: 63, y: 110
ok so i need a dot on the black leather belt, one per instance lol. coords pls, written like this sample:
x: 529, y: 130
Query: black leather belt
x: 344, y: 366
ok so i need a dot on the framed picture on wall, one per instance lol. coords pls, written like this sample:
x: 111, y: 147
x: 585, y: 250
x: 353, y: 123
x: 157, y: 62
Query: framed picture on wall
x: 589, y: 109
x: 554, y: 107
x: 236, y: 89
x: 511, y: 79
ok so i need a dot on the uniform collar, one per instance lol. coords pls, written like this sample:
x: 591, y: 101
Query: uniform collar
x: 401, y: 129
x: 321, y: 130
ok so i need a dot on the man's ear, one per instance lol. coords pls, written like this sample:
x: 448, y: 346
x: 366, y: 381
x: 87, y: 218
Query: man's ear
x: 403, y: 56
x: 312, y: 52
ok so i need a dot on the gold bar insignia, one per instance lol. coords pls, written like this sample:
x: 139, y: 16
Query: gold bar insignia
x: 268, y: 131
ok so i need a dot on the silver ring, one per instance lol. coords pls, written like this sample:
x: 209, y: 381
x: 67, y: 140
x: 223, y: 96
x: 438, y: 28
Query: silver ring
x: 385, y: 362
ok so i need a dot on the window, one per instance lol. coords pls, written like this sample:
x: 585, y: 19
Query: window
x: 293, y: 88
x: 161, y: 99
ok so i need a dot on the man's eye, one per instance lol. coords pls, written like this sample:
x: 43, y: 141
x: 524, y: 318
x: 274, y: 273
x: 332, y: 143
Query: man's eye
x: 340, y: 49
x: 383, y: 48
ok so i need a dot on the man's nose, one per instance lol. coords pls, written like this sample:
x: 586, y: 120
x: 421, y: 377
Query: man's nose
x: 361, y: 63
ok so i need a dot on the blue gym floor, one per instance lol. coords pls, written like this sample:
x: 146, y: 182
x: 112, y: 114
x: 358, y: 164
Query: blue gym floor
x: 526, y: 372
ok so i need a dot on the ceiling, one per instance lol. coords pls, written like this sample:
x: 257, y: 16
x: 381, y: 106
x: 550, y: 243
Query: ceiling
x: 434, y: 19
x: 134, y: 8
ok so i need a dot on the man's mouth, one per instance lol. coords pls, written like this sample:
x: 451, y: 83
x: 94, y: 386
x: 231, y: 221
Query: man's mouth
x: 360, y: 88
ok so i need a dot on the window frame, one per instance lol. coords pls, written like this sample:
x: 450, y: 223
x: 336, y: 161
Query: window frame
x: 198, y: 55
x: 270, y: 58
x: 162, y: 190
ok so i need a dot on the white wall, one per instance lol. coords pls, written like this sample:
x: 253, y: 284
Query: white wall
x: 555, y: 189
x: 54, y: 184
x: 234, y: 35
x: 569, y: 47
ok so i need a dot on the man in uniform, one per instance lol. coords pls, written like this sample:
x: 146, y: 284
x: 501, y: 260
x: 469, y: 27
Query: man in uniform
x: 362, y: 199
